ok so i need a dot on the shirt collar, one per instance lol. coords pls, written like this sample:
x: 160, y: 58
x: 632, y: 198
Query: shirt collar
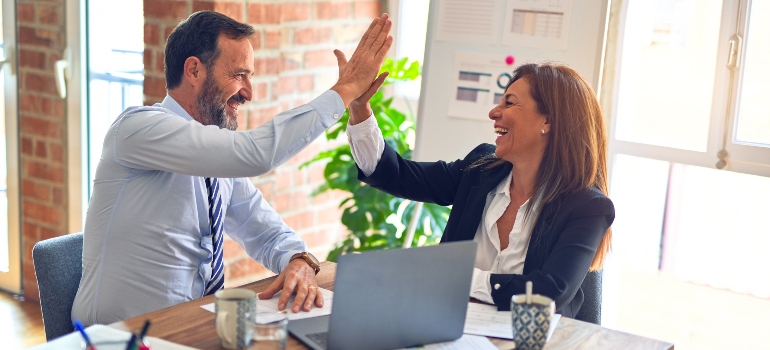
x: 171, y: 104
x: 504, y: 187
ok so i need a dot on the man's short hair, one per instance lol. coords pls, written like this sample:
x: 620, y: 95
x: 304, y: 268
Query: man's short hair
x: 198, y: 36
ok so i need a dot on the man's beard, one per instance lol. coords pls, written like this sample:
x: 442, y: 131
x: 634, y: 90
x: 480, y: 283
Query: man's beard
x: 214, y: 112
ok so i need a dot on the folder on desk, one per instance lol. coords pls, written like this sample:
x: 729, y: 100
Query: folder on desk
x: 395, y: 298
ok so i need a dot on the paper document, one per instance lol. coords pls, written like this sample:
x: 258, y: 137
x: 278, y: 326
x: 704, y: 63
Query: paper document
x: 468, y: 21
x: 466, y: 342
x: 271, y: 305
x: 102, y: 334
x: 483, y: 319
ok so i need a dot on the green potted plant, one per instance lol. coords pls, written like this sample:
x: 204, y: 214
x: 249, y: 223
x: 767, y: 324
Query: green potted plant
x: 377, y: 220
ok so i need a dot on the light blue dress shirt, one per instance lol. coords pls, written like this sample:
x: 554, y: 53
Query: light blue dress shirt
x: 148, y: 243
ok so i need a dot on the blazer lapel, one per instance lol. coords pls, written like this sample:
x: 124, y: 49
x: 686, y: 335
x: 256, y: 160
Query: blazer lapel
x: 477, y: 198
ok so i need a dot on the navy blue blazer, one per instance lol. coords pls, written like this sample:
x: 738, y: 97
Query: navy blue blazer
x: 564, y: 238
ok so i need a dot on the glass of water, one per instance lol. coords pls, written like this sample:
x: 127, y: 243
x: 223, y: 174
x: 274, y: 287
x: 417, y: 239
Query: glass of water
x: 268, y: 330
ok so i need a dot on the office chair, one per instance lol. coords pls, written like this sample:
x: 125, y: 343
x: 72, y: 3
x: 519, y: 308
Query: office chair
x: 591, y: 310
x: 58, y: 267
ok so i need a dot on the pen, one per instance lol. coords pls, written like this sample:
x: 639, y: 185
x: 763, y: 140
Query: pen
x: 79, y: 326
x: 142, y: 334
x: 131, y: 342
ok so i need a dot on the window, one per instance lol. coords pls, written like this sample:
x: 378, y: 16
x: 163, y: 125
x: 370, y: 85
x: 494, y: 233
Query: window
x: 690, y: 163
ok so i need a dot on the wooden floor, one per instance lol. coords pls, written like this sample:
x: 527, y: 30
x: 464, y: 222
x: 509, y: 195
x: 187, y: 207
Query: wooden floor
x: 21, y: 324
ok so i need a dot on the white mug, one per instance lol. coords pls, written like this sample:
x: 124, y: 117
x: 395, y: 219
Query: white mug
x: 231, y: 307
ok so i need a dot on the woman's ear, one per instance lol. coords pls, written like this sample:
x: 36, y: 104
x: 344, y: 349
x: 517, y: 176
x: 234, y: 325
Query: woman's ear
x: 194, y: 72
x: 546, y: 128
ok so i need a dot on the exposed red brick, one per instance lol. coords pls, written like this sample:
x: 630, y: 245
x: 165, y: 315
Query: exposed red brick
x: 331, y: 10
x: 53, y: 107
x: 256, y: 40
x: 151, y: 34
x: 160, y: 63
x: 32, y: 59
x: 260, y: 91
x: 41, y: 151
x: 42, y: 213
x: 267, y: 66
x: 242, y: 268
x: 264, y: 14
x: 26, y: 146
x: 40, y: 82
x: 49, y: 14
x: 259, y: 116
x: 272, y: 39
x: 155, y: 86
x: 233, y: 10
x: 300, y: 220
x: 283, y: 179
x: 285, y: 85
x: 312, y: 35
x: 37, y: 190
x: 44, y: 171
x: 147, y: 59
x: 25, y: 13
x: 58, y: 196
x: 56, y: 152
x: 40, y: 127
x: 305, y: 83
x: 366, y: 9
x: 295, y: 11
x: 175, y: 10
x: 29, y: 103
x: 320, y: 58
x: 40, y: 37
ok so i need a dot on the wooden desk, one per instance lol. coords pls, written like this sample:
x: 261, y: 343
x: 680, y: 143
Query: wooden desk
x: 191, y: 325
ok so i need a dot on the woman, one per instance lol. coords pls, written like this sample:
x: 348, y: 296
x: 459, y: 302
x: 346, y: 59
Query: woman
x: 536, y: 202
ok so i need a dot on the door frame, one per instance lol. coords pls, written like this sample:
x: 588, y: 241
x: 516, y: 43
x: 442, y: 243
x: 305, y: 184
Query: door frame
x: 11, y: 280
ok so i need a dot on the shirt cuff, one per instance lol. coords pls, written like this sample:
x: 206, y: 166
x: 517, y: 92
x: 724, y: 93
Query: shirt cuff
x: 480, y: 289
x: 329, y: 106
x: 286, y: 258
x: 363, y: 129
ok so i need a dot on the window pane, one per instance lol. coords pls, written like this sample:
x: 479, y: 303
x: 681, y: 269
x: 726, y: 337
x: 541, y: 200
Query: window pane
x: 753, y: 122
x: 667, y: 72
x: 413, y: 18
x: 115, y: 67
x: 716, y: 229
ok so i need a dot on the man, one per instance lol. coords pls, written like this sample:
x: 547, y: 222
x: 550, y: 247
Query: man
x: 172, y: 177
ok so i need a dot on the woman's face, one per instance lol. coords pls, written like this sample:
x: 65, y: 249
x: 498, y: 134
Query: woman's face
x: 519, y: 125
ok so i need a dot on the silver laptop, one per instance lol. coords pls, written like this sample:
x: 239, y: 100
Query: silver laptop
x: 395, y: 298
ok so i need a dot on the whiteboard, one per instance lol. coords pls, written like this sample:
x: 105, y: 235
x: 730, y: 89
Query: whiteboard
x: 502, y: 29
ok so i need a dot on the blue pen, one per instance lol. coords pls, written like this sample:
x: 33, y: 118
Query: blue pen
x: 79, y: 326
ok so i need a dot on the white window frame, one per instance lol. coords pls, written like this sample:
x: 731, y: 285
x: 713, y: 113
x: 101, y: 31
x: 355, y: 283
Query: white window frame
x: 742, y: 158
x: 77, y: 102
x: 11, y: 281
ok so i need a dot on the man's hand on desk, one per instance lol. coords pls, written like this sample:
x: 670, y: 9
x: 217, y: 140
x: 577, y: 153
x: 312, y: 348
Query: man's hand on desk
x: 297, y: 277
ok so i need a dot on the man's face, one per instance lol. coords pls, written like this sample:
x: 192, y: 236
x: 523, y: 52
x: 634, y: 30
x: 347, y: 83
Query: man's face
x: 227, y: 85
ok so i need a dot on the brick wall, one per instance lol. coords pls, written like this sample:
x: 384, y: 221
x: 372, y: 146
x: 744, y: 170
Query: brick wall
x: 294, y: 63
x: 42, y: 129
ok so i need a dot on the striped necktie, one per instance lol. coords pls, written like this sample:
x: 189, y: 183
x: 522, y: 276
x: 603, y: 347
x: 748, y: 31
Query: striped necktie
x: 215, y: 219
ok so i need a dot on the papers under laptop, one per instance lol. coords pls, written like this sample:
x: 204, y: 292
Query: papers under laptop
x: 395, y: 298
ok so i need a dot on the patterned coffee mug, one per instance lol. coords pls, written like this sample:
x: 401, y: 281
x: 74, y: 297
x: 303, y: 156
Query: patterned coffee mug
x: 231, y: 309
x: 531, y: 321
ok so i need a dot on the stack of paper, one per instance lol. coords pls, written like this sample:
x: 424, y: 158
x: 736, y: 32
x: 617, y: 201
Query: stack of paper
x: 104, y: 334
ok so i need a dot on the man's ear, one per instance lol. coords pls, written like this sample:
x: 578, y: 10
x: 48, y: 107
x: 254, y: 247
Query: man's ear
x: 194, y: 72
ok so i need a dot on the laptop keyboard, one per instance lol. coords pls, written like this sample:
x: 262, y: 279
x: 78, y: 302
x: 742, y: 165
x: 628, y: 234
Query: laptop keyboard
x: 319, y: 338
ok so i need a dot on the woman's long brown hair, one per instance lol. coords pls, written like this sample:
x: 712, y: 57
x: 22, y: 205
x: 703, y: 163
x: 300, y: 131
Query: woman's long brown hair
x: 576, y: 155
